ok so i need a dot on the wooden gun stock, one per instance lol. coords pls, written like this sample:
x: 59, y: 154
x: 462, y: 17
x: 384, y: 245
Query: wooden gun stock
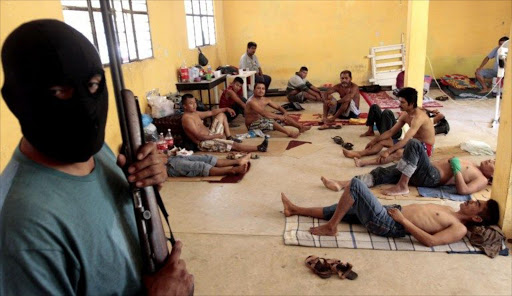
x: 149, y: 225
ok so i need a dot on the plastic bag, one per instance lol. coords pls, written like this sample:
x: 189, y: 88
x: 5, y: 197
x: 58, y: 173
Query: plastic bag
x: 160, y: 106
x: 150, y: 133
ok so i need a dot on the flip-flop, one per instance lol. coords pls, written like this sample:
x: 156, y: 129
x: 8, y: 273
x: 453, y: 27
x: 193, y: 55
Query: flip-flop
x: 343, y: 270
x: 338, y: 140
x: 321, y: 128
x: 348, y: 146
x: 319, y: 266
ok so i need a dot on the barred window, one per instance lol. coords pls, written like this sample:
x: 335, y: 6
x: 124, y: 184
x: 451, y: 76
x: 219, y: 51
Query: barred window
x: 132, y: 23
x: 200, y: 23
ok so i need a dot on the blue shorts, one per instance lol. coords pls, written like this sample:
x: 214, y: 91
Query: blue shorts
x: 190, y: 166
x: 368, y: 211
x: 488, y: 73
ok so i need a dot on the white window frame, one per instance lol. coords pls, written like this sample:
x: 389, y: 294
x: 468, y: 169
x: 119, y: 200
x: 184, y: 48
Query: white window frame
x: 200, y: 21
x: 125, y: 12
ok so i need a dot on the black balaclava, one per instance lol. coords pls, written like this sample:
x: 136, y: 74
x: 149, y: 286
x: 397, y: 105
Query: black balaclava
x: 45, y: 53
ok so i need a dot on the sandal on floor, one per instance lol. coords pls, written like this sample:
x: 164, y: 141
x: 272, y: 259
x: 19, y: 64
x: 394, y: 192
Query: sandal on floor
x: 348, y: 146
x: 338, y: 140
x: 319, y: 266
x: 442, y: 98
x: 321, y: 128
x: 343, y: 270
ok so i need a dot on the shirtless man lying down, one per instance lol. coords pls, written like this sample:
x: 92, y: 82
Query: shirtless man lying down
x: 416, y: 169
x: 430, y: 224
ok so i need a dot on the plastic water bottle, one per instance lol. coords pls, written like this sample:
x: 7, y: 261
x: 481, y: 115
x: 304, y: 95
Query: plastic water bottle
x: 169, y: 139
x: 161, y: 144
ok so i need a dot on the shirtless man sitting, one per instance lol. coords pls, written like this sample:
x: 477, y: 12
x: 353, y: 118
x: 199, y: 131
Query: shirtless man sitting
x: 430, y: 224
x: 218, y: 137
x: 416, y: 169
x: 256, y: 117
x: 346, y: 107
x: 421, y: 128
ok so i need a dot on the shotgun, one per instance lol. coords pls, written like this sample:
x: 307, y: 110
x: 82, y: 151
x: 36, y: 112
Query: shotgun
x: 147, y: 200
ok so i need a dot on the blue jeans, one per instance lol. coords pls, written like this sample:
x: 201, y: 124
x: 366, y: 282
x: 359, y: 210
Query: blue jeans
x: 190, y: 166
x: 368, y: 211
x: 414, y: 163
x: 384, y: 120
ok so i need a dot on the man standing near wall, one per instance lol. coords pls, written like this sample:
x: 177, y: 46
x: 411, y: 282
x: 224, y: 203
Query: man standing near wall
x: 299, y: 89
x: 250, y: 61
x: 481, y: 73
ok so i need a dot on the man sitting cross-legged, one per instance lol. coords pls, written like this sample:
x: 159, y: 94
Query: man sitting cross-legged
x: 205, y: 165
x: 256, y: 117
x: 218, y: 137
x: 421, y: 128
x: 430, y: 224
x: 416, y: 169
x: 348, y: 104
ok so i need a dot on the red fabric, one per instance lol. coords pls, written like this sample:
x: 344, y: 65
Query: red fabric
x: 226, y: 102
x: 400, y: 80
x: 295, y: 143
x: 319, y: 122
x: 386, y: 102
x: 428, y: 148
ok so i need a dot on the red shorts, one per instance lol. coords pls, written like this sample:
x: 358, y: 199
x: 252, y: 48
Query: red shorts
x: 428, y: 148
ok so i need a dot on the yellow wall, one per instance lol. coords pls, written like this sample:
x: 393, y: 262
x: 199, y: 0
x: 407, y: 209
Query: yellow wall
x: 170, y: 48
x: 462, y: 33
x: 326, y: 36
x: 502, y: 182
x: 416, y: 45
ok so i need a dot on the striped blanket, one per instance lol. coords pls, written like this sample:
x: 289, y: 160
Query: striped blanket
x: 355, y: 236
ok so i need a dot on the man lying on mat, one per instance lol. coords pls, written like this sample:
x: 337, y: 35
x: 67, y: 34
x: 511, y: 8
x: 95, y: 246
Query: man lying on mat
x: 216, y: 139
x: 256, y: 117
x: 347, y: 106
x: 205, y: 165
x: 421, y: 128
x: 430, y: 224
x: 416, y: 169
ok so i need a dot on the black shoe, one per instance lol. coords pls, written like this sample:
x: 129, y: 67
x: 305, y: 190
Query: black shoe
x: 263, y: 146
x: 442, y: 127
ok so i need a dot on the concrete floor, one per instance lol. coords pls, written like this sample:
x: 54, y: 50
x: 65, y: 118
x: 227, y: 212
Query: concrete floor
x: 232, y: 233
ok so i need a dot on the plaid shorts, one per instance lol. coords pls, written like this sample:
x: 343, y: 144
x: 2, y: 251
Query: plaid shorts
x: 264, y: 124
x: 216, y: 145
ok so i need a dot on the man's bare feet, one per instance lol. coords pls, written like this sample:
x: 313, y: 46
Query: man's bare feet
x: 396, y: 190
x: 351, y: 154
x: 367, y: 134
x: 483, y: 91
x: 241, y: 169
x: 304, y: 128
x: 358, y: 162
x: 293, y: 134
x: 325, y: 229
x: 333, y: 184
x: 245, y: 159
x: 288, y: 206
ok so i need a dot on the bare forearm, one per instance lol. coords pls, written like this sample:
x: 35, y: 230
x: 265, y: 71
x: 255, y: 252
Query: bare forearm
x: 422, y: 236
x: 208, y: 137
x: 484, y: 62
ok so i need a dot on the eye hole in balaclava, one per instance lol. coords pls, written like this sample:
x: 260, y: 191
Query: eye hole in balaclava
x: 42, y: 54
